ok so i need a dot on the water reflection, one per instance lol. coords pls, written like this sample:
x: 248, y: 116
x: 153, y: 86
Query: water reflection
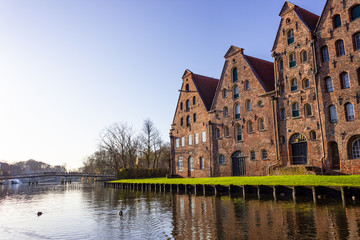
x: 91, y: 212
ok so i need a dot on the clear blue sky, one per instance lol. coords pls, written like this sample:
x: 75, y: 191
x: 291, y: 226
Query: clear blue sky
x: 70, y: 68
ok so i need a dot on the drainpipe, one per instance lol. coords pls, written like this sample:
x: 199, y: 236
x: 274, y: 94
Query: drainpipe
x: 210, y: 140
x: 172, y: 154
x: 318, y: 105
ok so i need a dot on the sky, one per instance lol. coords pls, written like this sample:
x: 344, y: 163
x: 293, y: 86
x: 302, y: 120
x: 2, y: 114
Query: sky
x: 70, y: 68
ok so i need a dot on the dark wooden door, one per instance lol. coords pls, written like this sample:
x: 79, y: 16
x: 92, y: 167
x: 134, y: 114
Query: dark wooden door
x: 335, y: 159
x: 238, y: 166
x: 299, y: 153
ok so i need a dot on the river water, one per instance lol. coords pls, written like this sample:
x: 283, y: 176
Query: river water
x: 77, y: 211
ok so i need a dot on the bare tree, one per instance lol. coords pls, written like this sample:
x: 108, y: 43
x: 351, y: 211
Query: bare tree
x: 151, y: 144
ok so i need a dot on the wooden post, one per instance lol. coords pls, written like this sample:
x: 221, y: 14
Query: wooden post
x: 243, y: 192
x: 258, y: 192
x: 274, y: 193
x: 343, y: 196
x: 294, y: 194
x: 314, y: 194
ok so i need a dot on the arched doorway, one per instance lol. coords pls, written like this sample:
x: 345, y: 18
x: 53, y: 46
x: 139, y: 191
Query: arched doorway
x: 238, y: 164
x: 298, y: 149
x: 334, y: 156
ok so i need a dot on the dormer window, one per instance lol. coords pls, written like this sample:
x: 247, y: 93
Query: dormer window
x: 290, y: 36
x: 336, y: 21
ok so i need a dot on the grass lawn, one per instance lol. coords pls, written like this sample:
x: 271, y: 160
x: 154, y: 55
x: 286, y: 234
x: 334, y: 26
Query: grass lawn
x: 285, y: 180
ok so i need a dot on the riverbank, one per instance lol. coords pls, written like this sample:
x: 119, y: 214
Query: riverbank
x: 288, y: 180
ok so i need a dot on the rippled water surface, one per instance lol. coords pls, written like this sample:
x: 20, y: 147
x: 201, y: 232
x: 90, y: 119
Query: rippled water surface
x: 77, y: 211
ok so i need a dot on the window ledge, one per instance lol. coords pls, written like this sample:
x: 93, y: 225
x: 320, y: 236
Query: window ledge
x: 296, y: 117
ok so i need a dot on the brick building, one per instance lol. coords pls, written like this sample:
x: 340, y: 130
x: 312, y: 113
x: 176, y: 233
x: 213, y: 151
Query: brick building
x: 300, y: 110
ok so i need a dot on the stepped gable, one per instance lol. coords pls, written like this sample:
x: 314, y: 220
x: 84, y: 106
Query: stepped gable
x: 206, y: 88
x: 264, y: 70
x: 309, y: 18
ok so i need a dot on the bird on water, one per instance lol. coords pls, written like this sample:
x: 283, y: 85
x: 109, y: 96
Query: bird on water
x: 120, y: 213
x: 39, y: 214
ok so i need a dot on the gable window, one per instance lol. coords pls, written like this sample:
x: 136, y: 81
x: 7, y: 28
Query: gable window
x: 355, y: 12
x: 194, y: 117
x: 324, y: 54
x: 194, y: 100
x: 307, y: 109
x: 224, y: 93
x: 252, y: 155
x: 187, y: 105
x: 260, y: 103
x: 201, y: 163
x: 181, y: 106
x: 180, y: 164
x: 236, y: 92
x: 196, y: 138
x: 225, y: 112
x: 263, y: 154
x: 261, y: 124
x: 190, y: 140
x: 226, y: 132
x: 306, y: 83
x: 282, y: 114
x: 203, y: 136
x: 182, y: 121
x: 290, y: 36
x: 280, y: 65
x: 295, y: 110
x: 217, y: 133
x: 221, y: 159
x: 249, y: 127
x: 234, y: 75
x: 292, y: 60
x: 336, y: 21
x: 304, y: 56
x: 345, y: 83
x: 188, y: 121
x: 293, y: 84
x: 329, y: 85
x: 187, y: 88
x: 238, y: 132
x: 333, y: 115
x: 248, y: 105
x: 356, y: 149
x: 340, y: 49
x: 247, y: 85
x: 357, y: 41
x: 349, y: 112
x: 237, y: 111
x: 177, y: 142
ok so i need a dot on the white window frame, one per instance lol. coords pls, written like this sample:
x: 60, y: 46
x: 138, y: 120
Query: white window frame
x: 180, y: 164
x: 201, y: 163
x: 190, y: 140
x: 203, y: 137
x: 177, y: 142
x: 182, y: 141
x: 196, y: 138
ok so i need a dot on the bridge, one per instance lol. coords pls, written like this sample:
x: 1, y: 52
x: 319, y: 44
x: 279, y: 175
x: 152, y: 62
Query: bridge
x: 58, y: 174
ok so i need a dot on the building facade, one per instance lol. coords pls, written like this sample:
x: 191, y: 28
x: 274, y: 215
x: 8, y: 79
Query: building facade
x: 299, y: 111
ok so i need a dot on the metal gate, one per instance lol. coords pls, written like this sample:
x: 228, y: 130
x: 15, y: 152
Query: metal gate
x: 238, y: 164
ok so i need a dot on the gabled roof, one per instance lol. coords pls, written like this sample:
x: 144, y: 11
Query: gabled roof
x: 206, y: 87
x: 264, y: 70
x: 322, y: 14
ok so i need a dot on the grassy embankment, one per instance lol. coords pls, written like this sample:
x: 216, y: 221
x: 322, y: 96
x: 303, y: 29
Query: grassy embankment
x: 287, y: 180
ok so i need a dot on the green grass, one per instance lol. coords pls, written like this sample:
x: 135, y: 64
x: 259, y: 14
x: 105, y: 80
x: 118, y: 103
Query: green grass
x: 287, y: 180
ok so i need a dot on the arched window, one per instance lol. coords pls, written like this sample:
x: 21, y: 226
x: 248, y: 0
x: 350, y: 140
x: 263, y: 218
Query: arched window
x: 355, y: 12
x: 312, y: 135
x: 340, y: 48
x: 261, y: 124
x: 234, y: 75
x: 290, y: 36
x: 336, y: 21
x: 187, y: 88
x: 349, y: 112
x: 191, y: 164
x: 333, y: 114
x: 293, y: 84
x: 236, y: 92
x: 237, y: 111
x: 324, y: 54
x: 221, y: 159
x: 295, y: 109
x: 246, y: 85
x: 307, y: 109
x: 224, y: 93
x: 292, y: 60
x: 248, y: 105
x: 217, y: 133
x: 282, y: 114
x: 194, y: 100
x: 182, y: 121
x: 306, y: 83
x: 201, y: 163
x: 304, y: 56
x: 288, y: 21
x: 226, y: 132
x: 181, y: 106
x: 187, y: 105
x: 356, y: 149
x: 249, y: 127
x: 263, y: 154
x: 329, y: 85
x: 252, y: 155
x: 188, y: 121
x: 356, y: 41
x: 280, y: 65
x: 180, y: 164
x: 194, y: 117
x: 345, y: 83
x: 226, y: 112
x: 238, y: 136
